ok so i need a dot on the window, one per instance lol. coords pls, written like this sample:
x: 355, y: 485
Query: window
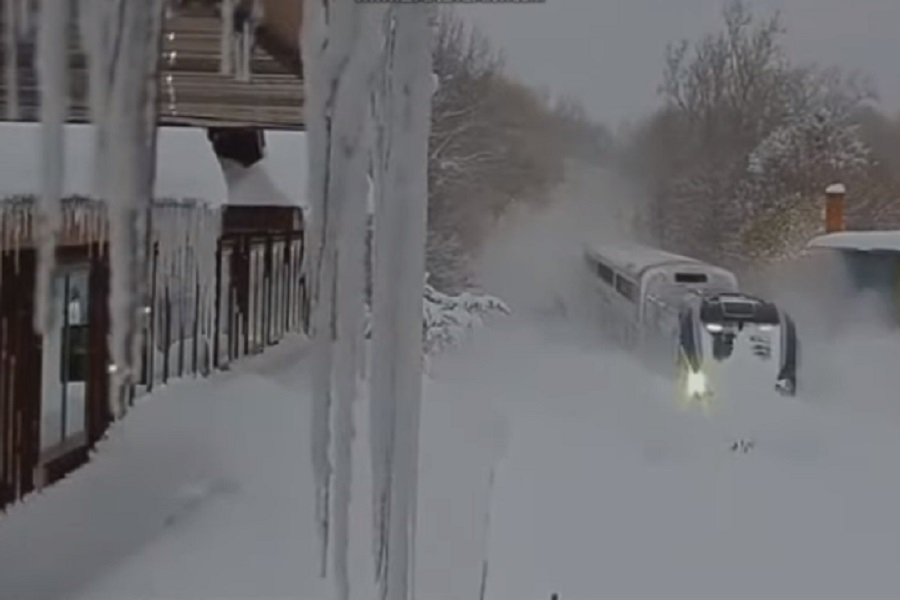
x: 626, y: 288
x: 604, y: 272
x: 690, y: 278
x: 66, y: 360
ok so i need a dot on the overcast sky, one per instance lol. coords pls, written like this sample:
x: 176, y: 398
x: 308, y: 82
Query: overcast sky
x: 610, y: 52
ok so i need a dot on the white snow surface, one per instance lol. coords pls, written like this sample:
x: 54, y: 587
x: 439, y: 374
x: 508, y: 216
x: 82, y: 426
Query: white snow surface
x: 836, y: 188
x: 186, y: 163
x: 205, y: 491
x: 278, y: 179
x: 605, y: 488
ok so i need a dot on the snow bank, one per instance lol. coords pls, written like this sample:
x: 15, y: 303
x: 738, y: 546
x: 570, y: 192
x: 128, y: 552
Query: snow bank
x: 186, y: 163
x: 279, y: 178
x: 205, y: 491
x: 608, y: 490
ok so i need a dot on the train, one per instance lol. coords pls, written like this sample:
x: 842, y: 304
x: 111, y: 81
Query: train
x: 688, y: 318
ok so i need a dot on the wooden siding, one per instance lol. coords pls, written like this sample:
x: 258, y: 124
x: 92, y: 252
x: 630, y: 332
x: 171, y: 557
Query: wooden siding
x: 260, y: 296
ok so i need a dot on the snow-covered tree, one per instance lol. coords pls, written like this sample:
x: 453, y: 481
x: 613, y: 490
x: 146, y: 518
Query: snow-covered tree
x: 448, y: 319
x: 746, y: 140
x: 780, y: 197
x: 494, y: 143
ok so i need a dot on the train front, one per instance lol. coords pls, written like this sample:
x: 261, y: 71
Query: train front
x: 732, y: 338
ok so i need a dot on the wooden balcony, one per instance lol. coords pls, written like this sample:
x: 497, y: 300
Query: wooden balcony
x: 192, y: 90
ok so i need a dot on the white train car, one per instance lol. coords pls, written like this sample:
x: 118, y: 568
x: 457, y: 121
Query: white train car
x: 640, y: 292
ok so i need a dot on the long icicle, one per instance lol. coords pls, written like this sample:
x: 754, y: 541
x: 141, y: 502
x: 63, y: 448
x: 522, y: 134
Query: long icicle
x: 226, y: 39
x: 129, y: 139
x: 356, y: 39
x: 52, y: 68
x: 399, y: 276
x: 11, y: 56
x: 313, y: 41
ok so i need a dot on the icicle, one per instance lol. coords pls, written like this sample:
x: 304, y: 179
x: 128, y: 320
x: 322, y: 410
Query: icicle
x: 381, y: 412
x: 319, y: 262
x: 226, y: 48
x: 26, y: 8
x: 245, y: 51
x: 398, y: 276
x: 347, y: 192
x: 125, y: 97
x: 11, y: 54
x: 52, y: 69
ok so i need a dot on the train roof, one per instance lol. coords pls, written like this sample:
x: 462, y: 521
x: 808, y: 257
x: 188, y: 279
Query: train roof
x: 865, y: 241
x: 634, y: 258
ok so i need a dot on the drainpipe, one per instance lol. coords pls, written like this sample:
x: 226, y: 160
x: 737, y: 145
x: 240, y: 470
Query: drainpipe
x: 835, y: 196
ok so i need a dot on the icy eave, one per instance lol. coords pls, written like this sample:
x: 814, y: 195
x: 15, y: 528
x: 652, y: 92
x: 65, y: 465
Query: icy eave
x: 858, y: 240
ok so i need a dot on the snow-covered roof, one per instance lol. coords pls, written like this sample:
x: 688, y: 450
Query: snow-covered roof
x: 858, y: 240
x: 186, y: 163
x: 836, y: 188
x: 278, y: 179
x: 634, y: 258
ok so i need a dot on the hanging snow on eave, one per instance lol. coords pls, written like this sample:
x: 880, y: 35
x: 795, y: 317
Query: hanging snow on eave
x: 279, y: 178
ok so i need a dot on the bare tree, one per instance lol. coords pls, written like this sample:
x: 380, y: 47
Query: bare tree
x: 493, y: 143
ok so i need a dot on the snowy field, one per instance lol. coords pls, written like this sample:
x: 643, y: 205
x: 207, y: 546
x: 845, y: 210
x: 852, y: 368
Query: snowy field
x: 605, y: 488
x: 609, y: 490
x: 205, y: 492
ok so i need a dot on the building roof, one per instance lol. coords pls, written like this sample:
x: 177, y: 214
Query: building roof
x: 858, y: 240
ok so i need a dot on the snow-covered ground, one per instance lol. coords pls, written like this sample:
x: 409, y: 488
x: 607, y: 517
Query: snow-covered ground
x: 605, y: 488
x: 609, y: 490
x: 205, y: 492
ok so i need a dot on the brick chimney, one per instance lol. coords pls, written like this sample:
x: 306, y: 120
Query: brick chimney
x: 835, y: 196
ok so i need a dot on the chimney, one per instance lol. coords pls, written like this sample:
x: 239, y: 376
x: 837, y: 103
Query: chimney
x: 835, y: 196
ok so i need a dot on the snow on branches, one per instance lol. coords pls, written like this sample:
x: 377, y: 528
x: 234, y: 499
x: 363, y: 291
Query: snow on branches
x: 447, y: 320
x: 785, y: 176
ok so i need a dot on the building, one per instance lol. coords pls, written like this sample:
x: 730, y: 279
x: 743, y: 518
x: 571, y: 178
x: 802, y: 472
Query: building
x: 225, y: 241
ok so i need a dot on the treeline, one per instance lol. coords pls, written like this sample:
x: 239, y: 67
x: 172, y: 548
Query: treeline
x: 494, y: 143
x: 732, y: 166
x: 736, y: 160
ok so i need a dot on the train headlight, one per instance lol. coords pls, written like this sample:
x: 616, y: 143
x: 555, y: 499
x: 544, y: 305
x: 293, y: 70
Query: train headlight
x: 714, y: 328
x: 697, y: 384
